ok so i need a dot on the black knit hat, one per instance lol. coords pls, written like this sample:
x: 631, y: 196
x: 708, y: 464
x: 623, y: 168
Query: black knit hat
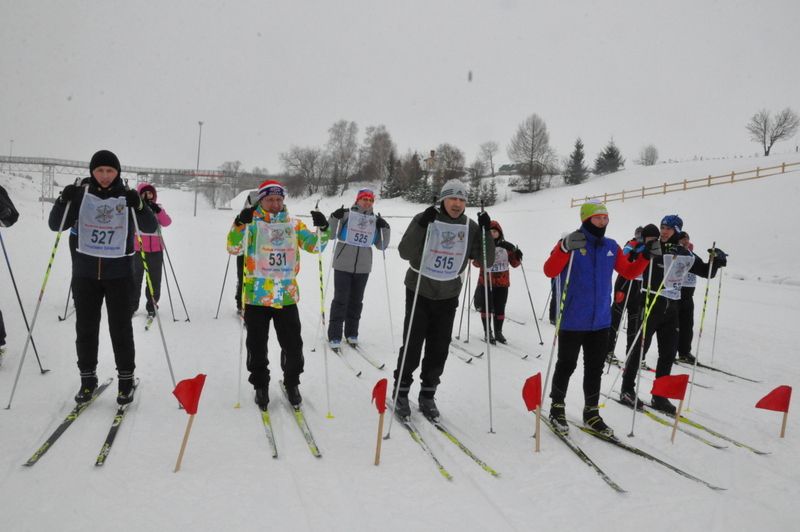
x: 650, y: 230
x: 104, y: 158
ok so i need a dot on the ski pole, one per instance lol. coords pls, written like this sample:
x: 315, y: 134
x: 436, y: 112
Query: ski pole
x: 463, y: 304
x: 702, y: 321
x: 172, y: 269
x: 169, y: 298
x: 489, y: 318
x: 716, y: 319
x: 39, y: 300
x: 221, y: 290
x: 530, y: 298
x: 322, y: 315
x: 386, y: 283
x: 21, y: 308
x: 152, y: 295
x: 242, y: 317
x: 469, y: 302
x: 546, y: 301
x: 399, y: 377
x: 322, y: 330
x: 562, y: 300
x: 66, y: 303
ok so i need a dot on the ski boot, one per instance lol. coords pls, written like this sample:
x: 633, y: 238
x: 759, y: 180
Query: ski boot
x: 593, y: 421
x: 88, y: 386
x: 558, y: 418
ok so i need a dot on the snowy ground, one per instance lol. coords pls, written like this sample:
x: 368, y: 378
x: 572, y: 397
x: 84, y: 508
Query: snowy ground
x: 229, y: 481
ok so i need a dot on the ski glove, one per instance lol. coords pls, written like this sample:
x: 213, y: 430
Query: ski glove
x: 484, y: 220
x: 133, y: 200
x: 319, y: 220
x: 155, y: 207
x: 428, y: 215
x: 519, y: 253
x: 573, y: 241
x: 338, y: 213
x: 69, y: 193
x: 720, y: 257
x: 380, y: 223
x: 245, y: 217
x: 652, y: 249
x: 506, y: 245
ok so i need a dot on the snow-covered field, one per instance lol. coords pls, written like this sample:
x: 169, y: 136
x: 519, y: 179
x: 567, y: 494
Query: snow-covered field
x: 230, y: 482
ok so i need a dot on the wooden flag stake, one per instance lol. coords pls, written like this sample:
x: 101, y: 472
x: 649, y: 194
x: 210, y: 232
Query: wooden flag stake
x: 380, y: 439
x: 783, y: 425
x: 185, y: 441
x: 538, y: 425
x: 677, y: 420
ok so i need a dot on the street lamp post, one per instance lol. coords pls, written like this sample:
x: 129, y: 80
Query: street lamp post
x: 197, y: 168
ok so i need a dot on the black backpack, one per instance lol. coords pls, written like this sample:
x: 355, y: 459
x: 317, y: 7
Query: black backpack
x: 8, y: 214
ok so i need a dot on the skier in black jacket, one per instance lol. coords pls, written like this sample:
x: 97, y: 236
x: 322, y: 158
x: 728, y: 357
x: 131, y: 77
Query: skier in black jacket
x: 8, y: 217
x: 671, y: 268
x: 101, y: 212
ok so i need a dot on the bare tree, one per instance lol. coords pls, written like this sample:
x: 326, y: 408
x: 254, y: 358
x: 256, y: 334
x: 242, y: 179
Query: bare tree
x: 375, y: 153
x: 530, y: 151
x: 343, y: 152
x: 648, y: 156
x: 448, y: 164
x: 767, y: 131
x: 310, y: 164
x: 488, y: 151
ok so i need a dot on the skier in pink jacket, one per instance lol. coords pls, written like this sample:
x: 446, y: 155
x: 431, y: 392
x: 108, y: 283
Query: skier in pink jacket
x: 153, y: 252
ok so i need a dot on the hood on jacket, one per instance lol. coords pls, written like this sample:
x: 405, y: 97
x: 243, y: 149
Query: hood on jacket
x: 494, y: 224
x: 142, y: 187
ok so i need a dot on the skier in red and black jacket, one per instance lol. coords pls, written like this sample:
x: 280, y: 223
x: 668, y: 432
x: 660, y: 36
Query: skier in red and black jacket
x: 506, y: 256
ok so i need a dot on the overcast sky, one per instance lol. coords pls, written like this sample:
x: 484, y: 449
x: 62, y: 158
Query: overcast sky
x: 136, y: 77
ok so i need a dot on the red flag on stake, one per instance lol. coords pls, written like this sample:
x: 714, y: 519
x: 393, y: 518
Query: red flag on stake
x: 532, y: 395
x: 379, y: 395
x: 188, y: 393
x: 778, y: 400
x: 532, y: 392
x: 671, y: 386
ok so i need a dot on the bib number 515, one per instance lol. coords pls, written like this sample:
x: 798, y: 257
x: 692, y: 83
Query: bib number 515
x: 443, y: 263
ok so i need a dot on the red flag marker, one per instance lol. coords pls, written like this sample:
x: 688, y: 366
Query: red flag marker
x: 673, y: 387
x: 188, y: 393
x: 379, y: 396
x: 778, y: 400
x: 532, y: 395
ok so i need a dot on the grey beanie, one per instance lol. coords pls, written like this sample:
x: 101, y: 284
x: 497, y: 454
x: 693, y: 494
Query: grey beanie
x: 454, y: 189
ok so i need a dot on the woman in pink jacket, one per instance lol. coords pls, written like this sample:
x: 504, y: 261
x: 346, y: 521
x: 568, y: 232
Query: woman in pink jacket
x: 153, y: 252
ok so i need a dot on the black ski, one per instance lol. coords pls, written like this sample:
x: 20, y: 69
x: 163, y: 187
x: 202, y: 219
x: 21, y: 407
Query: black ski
x: 639, y: 452
x: 719, y: 435
x: 712, y: 368
x: 583, y: 456
x: 267, y: 422
x: 465, y: 350
x: 658, y: 419
x: 417, y: 437
x: 72, y: 416
x: 360, y: 350
x: 112, y: 432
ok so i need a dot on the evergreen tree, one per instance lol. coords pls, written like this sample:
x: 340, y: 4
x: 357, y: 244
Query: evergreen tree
x: 474, y: 192
x: 391, y: 186
x: 576, y: 171
x: 609, y: 160
x: 489, y: 194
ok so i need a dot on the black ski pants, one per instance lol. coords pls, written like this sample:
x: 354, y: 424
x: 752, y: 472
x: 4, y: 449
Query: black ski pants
x: 663, y: 323
x: 594, y: 357
x: 287, y: 327
x: 432, y: 326
x: 89, y: 295
x: 498, y: 297
x: 2, y: 330
x: 239, y: 274
x: 348, y: 301
x: 686, y: 320
x: 155, y: 265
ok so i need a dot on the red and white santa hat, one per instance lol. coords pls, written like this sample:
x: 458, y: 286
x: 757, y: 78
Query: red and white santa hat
x: 270, y: 187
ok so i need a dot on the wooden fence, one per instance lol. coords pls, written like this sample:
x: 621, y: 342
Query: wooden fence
x: 687, y: 184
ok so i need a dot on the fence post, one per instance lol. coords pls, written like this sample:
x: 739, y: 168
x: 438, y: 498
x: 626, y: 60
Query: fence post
x: 665, y: 188
x: 783, y: 168
x: 642, y: 191
x: 623, y: 194
x: 684, y: 184
x: 709, y: 179
x: 605, y: 197
x: 733, y: 177
x: 758, y: 170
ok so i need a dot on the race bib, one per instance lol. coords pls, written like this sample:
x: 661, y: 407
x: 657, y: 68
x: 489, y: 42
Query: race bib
x: 102, y: 227
x: 500, y: 260
x: 360, y: 229
x: 676, y: 267
x: 447, y: 248
x: 276, y: 251
x: 691, y: 281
